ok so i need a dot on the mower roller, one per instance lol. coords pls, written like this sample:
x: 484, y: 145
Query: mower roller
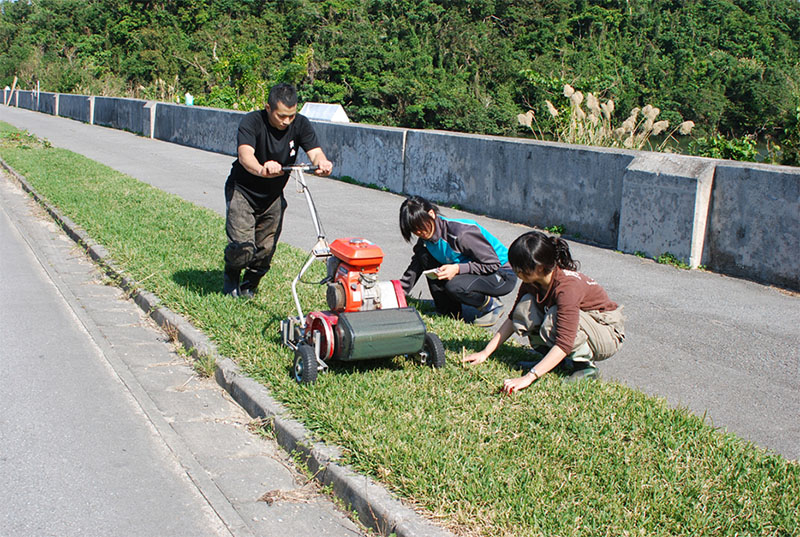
x: 366, y: 318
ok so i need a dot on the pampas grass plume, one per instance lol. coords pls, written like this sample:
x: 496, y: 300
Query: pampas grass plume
x: 686, y: 127
x: 629, y: 124
x: 592, y: 104
x: 593, y: 126
x: 660, y: 126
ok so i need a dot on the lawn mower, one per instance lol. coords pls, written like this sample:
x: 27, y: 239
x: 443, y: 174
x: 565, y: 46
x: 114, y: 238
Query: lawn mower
x: 366, y: 318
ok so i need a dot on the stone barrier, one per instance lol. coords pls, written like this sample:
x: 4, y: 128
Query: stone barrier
x: 76, y: 107
x: 367, y: 153
x: 149, y: 119
x: 525, y: 181
x: 118, y: 113
x: 741, y: 219
x: 210, y: 129
x: 27, y: 100
x: 48, y: 103
x: 664, y: 206
x: 755, y: 223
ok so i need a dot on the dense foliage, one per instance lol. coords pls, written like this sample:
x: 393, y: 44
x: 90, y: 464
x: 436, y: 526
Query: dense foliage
x: 731, y: 66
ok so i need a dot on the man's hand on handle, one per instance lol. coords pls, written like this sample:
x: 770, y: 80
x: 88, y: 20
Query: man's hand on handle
x: 271, y: 168
x: 318, y: 159
x: 324, y: 167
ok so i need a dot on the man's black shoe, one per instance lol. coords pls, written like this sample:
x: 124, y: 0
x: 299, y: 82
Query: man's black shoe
x: 250, y: 281
x: 230, y: 282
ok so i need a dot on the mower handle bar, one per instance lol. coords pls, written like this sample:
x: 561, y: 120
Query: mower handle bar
x: 305, y: 167
x: 320, y: 249
x: 297, y: 175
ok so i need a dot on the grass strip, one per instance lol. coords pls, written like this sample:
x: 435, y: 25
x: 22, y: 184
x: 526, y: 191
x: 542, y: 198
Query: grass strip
x: 591, y: 458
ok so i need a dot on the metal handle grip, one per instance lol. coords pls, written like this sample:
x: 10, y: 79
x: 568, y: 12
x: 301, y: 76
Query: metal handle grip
x: 300, y: 167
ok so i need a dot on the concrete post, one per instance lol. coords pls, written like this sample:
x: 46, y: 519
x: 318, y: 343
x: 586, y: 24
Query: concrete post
x: 149, y: 119
x: 664, y: 207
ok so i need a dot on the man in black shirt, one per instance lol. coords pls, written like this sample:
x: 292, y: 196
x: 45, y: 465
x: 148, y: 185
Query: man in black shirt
x: 267, y: 140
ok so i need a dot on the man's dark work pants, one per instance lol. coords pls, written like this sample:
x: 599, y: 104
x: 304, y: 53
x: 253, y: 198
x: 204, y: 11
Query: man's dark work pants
x: 252, y: 233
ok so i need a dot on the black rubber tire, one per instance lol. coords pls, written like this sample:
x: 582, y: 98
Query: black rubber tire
x: 433, y: 351
x: 305, y: 364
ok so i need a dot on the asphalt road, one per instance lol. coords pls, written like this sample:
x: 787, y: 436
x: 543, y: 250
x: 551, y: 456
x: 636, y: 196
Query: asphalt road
x: 105, y: 429
x: 78, y: 458
x: 725, y: 348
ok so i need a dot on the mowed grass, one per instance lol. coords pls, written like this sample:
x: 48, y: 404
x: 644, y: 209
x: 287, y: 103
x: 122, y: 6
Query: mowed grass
x: 556, y: 459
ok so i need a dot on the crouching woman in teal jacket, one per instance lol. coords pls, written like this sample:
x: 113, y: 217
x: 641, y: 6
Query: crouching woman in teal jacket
x: 464, y: 263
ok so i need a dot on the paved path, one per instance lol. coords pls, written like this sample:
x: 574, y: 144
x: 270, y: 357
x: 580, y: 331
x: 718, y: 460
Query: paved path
x: 725, y: 348
x: 104, y: 429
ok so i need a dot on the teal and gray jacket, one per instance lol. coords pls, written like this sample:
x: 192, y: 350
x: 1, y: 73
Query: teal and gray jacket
x: 456, y: 241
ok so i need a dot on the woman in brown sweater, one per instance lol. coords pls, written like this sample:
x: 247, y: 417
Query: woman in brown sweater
x: 557, y: 308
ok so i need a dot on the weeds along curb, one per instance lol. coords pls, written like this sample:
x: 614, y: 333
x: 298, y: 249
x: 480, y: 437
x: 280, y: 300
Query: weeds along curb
x: 376, y: 507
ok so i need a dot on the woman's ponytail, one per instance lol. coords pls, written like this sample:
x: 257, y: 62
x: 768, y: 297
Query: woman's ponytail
x: 534, y: 249
x: 563, y: 256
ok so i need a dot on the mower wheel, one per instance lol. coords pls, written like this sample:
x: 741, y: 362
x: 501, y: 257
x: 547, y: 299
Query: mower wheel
x: 305, y: 364
x: 432, y: 353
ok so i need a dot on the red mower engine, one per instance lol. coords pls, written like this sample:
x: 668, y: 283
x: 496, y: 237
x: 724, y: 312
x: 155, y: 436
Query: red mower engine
x: 353, y: 278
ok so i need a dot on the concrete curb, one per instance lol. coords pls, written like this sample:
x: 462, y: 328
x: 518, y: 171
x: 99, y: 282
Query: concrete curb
x: 377, y: 508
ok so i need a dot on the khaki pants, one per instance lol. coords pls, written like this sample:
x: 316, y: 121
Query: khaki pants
x: 600, y: 334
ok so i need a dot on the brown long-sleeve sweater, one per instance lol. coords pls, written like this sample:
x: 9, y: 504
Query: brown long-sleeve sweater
x: 572, y: 292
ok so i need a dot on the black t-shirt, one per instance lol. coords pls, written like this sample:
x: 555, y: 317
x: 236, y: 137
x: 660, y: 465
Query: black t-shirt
x: 270, y: 144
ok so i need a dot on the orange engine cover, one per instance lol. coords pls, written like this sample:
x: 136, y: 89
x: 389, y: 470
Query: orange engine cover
x: 350, y: 279
x: 360, y: 253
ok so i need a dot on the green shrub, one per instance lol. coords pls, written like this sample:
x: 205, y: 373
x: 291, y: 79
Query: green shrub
x: 718, y: 146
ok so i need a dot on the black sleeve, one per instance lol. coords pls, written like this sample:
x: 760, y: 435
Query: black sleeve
x: 305, y: 136
x: 248, y: 128
x: 419, y: 263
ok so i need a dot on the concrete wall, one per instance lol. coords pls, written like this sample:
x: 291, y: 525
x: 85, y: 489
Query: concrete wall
x: 76, y: 107
x: 529, y: 182
x: 736, y: 218
x: 123, y: 114
x: 26, y: 99
x: 755, y: 223
x: 664, y: 206
x: 48, y: 103
x: 204, y: 128
x: 367, y: 153
x: 30, y: 100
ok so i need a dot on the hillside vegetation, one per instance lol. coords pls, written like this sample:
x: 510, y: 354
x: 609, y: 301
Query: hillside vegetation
x: 732, y: 67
